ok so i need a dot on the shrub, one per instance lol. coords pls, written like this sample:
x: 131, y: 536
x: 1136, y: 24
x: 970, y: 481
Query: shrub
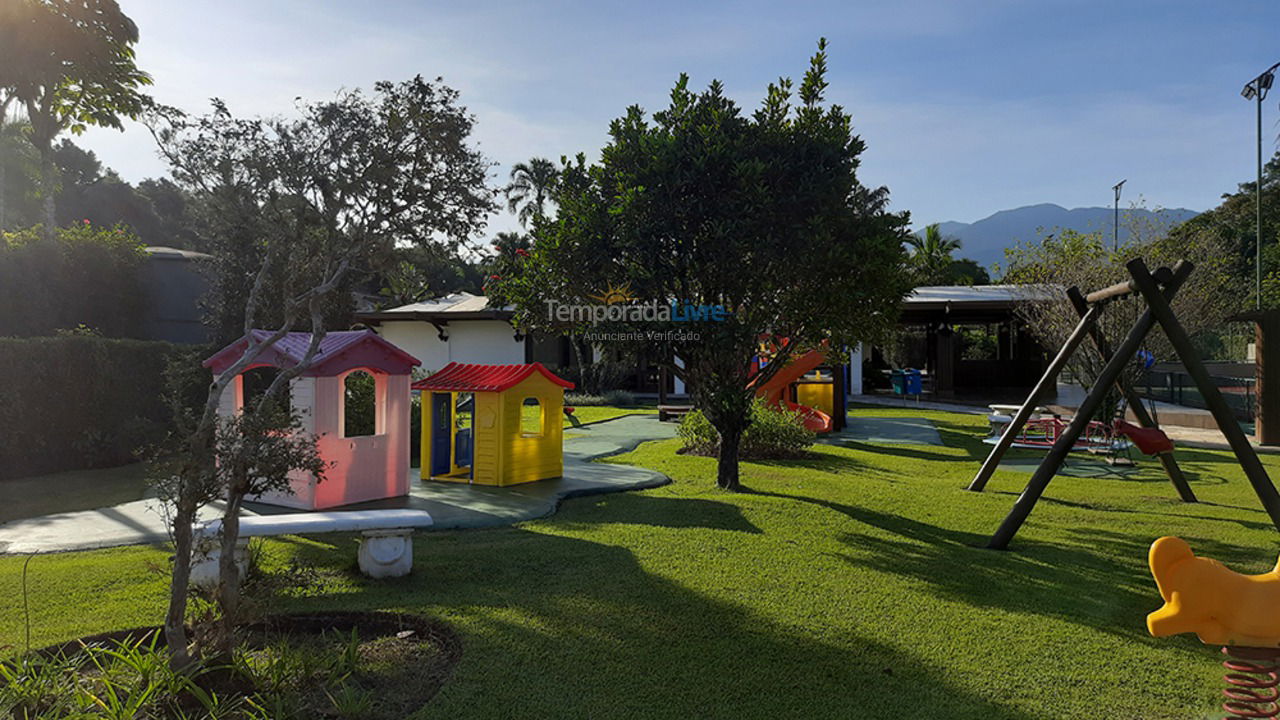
x: 86, y: 279
x: 621, y: 398
x: 773, y: 433
x: 79, y: 401
x: 579, y: 399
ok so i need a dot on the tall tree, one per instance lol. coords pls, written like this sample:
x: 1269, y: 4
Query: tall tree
x: 532, y: 184
x: 70, y: 64
x: 311, y: 200
x: 932, y: 255
x: 757, y: 222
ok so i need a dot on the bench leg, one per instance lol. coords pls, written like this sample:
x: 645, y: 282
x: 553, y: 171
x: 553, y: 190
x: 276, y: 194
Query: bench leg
x: 205, y: 556
x: 386, y: 553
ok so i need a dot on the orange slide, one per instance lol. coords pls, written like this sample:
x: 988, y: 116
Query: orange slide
x: 774, y: 391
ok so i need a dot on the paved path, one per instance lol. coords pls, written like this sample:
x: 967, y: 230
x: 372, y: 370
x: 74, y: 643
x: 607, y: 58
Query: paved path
x: 890, y: 430
x: 452, y: 505
x: 1194, y: 437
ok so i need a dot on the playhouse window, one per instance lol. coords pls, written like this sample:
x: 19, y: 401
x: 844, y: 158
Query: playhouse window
x: 531, y: 417
x: 255, y: 382
x: 359, y: 405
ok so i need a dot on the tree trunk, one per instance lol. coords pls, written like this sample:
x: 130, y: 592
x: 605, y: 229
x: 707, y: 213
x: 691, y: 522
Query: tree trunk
x: 229, y: 575
x: 4, y: 166
x: 727, y: 465
x: 48, y: 182
x: 175, y: 629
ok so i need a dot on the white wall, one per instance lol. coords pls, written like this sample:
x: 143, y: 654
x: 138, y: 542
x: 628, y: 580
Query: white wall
x: 470, y: 341
x: 855, y: 371
x: 485, y: 341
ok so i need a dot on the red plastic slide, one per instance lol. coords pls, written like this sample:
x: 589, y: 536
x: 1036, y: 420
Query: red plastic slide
x: 774, y: 391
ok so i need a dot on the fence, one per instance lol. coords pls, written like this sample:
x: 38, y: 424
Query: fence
x: 1178, y: 388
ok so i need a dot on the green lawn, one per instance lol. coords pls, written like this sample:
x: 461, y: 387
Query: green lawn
x: 846, y: 585
x: 585, y: 414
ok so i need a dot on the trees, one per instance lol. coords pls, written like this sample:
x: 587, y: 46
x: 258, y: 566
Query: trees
x: 69, y: 64
x: 931, y: 255
x: 1232, y: 226
x: 383, y: 172
x: 532, y: 184
x: 703, y: 229
x: 301, y: 205
x: 1084, y: 260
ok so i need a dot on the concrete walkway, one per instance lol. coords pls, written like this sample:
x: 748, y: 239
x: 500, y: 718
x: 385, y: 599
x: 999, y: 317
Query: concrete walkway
x: 1204, y: 434
x: 452, y: 505
x: 890, y: 431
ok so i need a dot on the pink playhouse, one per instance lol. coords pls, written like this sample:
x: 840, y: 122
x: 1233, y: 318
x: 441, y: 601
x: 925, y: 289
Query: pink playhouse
x: 371, y: 465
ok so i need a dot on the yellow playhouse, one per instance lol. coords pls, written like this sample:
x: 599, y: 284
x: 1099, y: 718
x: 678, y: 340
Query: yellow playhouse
x: 492, y: 424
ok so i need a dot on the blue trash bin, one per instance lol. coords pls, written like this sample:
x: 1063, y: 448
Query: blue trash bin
x: 914, y: 382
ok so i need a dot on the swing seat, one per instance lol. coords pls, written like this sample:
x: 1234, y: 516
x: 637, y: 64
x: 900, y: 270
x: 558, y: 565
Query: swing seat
x: 1150, y: 441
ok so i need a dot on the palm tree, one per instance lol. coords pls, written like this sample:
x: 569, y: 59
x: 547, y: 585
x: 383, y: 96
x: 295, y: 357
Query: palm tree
x: 530, y: 188
x: 931, y: 255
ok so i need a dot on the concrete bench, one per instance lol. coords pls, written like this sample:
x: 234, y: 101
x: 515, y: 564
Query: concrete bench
x: 386, y: 548
x: 1011, y: 410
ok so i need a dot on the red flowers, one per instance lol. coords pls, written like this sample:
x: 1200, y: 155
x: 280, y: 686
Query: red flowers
x: 522, y: 252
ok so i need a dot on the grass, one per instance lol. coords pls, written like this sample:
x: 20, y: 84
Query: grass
x: 847, y: 584
x: 598, y: 413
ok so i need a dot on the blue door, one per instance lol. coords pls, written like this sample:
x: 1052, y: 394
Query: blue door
x: 441, y: 430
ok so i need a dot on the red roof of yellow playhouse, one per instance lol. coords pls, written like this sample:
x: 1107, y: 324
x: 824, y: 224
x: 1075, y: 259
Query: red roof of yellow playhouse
x: 473, y: 377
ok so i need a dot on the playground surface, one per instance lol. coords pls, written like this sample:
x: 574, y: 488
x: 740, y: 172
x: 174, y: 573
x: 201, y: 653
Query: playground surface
x: 849, y: 582
x: 452, y: 505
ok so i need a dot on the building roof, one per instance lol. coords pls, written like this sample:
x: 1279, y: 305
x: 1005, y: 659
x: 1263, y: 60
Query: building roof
x: 472, y: 377
x: 976, y: 294
x: 161, y: 252
x: 338, y: 353
x: 971, y: 303
x: 455, y: 306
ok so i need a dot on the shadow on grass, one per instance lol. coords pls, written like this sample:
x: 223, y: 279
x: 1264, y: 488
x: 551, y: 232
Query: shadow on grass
x: 658, y: 511
x: 821, y: 462
x: 1073, y: 581
x: 1172, y: 500
x: 568, y: 628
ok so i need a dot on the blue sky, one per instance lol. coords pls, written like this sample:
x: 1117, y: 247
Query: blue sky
x: 967, y: 106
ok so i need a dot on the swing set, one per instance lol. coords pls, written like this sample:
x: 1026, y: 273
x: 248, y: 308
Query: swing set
x: 1158, y: 290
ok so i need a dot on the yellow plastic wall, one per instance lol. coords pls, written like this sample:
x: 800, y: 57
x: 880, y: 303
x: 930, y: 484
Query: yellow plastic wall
x: 818, y: 396
x: 501, y: 453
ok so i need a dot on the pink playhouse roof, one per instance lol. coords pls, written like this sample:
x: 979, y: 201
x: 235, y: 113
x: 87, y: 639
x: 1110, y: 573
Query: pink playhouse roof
x: 470, y: 377
x: 339, y: 352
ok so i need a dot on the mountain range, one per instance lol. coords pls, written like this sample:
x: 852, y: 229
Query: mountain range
x: 985, y: 240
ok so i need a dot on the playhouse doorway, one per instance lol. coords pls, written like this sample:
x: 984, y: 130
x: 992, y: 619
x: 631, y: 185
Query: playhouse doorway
x: 452, y: 439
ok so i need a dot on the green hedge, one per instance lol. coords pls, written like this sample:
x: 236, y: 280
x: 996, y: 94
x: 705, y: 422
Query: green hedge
x: 77, y: 402
x: 86, y: 276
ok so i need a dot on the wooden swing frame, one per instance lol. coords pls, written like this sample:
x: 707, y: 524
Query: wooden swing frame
x: 1158, y: 290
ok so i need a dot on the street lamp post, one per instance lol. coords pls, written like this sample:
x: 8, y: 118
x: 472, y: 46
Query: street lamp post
x: 1115, y: 230
x: 1256, y: 89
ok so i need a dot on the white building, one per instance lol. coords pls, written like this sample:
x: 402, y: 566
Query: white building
x: 456, y: 328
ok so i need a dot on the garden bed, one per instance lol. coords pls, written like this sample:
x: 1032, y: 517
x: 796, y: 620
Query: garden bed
x: 337, y: 664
